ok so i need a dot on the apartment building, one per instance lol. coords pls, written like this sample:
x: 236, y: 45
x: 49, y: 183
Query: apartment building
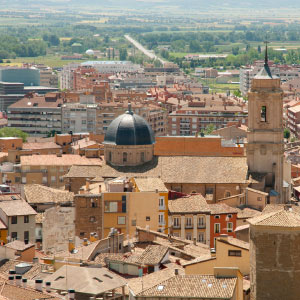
x: 78, y: 117
x: 205, y: 110
x: 293, y: 120
x: 43, y: 169
x: 19, y: 218
x: 190, y: 218
x: 122, y: 204
x: 155, y: 115
x: 284, y: 72
x: 36, y: 115
x: 223, y: 220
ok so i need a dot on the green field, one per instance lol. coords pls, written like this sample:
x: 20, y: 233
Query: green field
x: 51, y: 61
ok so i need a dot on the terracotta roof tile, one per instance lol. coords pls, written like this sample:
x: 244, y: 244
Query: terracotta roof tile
x: 152, y: 255
x: 54, y: 160
x: 222, y: 208
x: 235, y: 242
x: 17, y: 208
x: 193, y: 286
x: 36, y: 193
x: 281, y: 218
x: 40, y: 145
x: 150, y: 184
x: 86, y: 171
x: 192, y: 204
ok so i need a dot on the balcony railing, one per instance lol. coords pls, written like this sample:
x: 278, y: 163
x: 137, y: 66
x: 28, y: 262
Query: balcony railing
x: 176, y: 226
x: 201, y: 226
x: 187, y: 226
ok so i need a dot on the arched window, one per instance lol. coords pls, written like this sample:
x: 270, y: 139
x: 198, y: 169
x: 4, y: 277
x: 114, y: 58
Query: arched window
x: 109, y: 156
x: 227, y: 194
x: 124, y: 156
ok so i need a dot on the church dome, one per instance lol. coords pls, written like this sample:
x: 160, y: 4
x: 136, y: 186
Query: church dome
x: 129, y: 129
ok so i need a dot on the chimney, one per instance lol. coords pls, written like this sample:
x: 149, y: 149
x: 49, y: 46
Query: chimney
x: 85, y: 241
x: 71, y: 294
x: 81, y: 191
x: 176, y: 271
x: 11, y: 279
x: 224, y: 237
x: 35, y: 260
x: 39, y: 285
x: 87, y: 185
x: 24, y: 282
x: 18, y: 280
x: 71, y: 245
x: 100, y: 188
x: 195, y: 241
x: 48, y: 286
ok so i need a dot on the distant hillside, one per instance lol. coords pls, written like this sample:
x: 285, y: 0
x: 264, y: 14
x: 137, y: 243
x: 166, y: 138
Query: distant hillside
x: 184, y: 4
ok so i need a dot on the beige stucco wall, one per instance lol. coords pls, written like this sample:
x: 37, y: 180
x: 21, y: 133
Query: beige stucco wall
x: 20, y: 227
x: 133, y: 154
x: 222, y: 260
x: 252, y: 198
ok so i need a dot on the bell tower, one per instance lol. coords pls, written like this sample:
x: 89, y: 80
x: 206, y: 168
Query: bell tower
x: 265, y: 147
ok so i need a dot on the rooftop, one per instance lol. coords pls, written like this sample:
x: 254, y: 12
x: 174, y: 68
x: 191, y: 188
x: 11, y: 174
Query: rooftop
x: 152, y: 255
x: 193, y: 169
x: 36, y: 193
x: 92, y: 281
x: 150, y: 184
x: 54, y: 160
x: 192, y: 204
x: 40, y: 145
x: 193, y: 286
x: 84, y: 171
x: 19, y: 245
x: 281, y: 218
x: 222, y: 208
x: 234, y: 242
x: 16, y: 208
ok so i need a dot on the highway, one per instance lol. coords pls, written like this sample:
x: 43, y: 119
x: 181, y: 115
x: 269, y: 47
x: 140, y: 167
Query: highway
x: 143, y: 49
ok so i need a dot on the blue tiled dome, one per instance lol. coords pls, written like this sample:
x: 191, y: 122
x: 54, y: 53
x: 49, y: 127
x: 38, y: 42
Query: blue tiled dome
x: 129, y: 129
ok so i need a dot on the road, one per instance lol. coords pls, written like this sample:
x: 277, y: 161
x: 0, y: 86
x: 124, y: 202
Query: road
x: 143, y: 49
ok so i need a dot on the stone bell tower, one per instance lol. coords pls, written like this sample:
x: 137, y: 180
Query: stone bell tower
x: 265, y: 131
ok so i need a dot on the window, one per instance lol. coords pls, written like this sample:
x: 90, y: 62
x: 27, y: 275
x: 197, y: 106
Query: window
x: 188, y: 222
x: 53, y: 178
x: 263, y: 114
x: 124, y: 156
x: 121, y: 220
x: 26, y: 219
x: 92, y: 219
x: 217, y: 228
x: 26, y: 237
x: 133, y: 222
x: 201, y: 222
x: 44, y: 180
x: 161, y: 219
x: 217, y: 217
x: 93, y: 203
x: 14, y: 220
x: 209, y: 190
x: 227, y: 194
x: 109, y: 156
x: 23, y: 179
x: 111, y: 206
x: 176, y: 222
x: 259, y: 199
x: 235, y: 253
x: 229, y: 227
x: 161, y: 202
x: 142, y: 156
x: 201, y: 237
x: 14, y: 235
x: 189, y: 236
x: 147, y: 218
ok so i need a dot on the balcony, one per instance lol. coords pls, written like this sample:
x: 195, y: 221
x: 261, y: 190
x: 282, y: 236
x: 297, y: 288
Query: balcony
x: 201, y: 226
x: 176, y: 226
x: 189, y: 226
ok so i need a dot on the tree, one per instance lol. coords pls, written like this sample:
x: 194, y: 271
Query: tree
x: 235, y: 50
x: 286, y: 133
x: 123, y: 54
x: 208, y: 129
x: 259, y: 49
x: 237, y: 93
x: 53, y: 40
x: 13, y: 132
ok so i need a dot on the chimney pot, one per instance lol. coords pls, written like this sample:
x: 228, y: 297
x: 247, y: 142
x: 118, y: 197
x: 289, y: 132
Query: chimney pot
x: 48, y: 286
x: 39, y: 285
x: 24, y: 281
x: 18, y: 280
x: 176, y: 271
x: 71, y: 294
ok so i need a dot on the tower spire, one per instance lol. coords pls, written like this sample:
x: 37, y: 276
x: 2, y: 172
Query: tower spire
x: 266, y: 54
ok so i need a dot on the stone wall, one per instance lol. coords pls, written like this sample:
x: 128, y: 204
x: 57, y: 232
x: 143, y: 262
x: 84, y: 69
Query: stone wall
x: 274, y: 263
